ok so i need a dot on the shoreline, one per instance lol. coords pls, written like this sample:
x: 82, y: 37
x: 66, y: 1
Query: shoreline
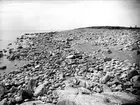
x: 88, y: 61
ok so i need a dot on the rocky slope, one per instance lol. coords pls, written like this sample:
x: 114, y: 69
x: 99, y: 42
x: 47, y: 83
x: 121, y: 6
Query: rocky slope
x: 87, y: 66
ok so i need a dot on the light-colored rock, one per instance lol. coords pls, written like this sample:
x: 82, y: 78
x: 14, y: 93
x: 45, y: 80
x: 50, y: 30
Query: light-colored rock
x: 39, y: 90
x: 106, y: 88
x: 106, y: 78
x: 84, y: 90
x: 4, y: 101
x: 18, y: 99
x: 70, y: 56
x: 35, y: 103
x: 66, y: 97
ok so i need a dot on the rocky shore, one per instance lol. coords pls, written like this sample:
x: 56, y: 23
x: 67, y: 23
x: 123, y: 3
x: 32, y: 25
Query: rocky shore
x: 87, y: 66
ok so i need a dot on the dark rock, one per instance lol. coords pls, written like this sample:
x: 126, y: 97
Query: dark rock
x: 9, y: 44
x: 109, y: 51
x: 138, y: 52
x: 11, y: 51
x: 26, y: 94
x: 132, y: 73
x: 136, y: 81
x: 3, y: 67
x: 2, y: 90
x: 4, y: 50
x: 1, y: 54
x: 19, y: 47
x: 11, y: 57
x: 107, y: 59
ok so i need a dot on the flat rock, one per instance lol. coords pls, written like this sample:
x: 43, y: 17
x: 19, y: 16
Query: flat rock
x: 66, y: 97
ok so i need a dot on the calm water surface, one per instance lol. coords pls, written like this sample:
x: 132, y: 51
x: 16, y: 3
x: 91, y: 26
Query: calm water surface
x: 10, y: 37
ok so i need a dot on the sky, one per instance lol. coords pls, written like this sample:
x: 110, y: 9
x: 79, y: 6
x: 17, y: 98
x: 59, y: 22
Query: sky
x: 51, y: 15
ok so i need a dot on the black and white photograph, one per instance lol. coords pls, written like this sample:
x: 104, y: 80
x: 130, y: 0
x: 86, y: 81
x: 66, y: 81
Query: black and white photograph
x: 69, y: 52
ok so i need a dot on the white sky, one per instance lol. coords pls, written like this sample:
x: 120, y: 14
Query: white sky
x: 60, y: 15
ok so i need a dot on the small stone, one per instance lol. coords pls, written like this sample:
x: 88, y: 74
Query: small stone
x: 43, y: 98
x: 123, y: 75
x: 84, y: 90
x: 70, y: 56
x: 109, y: 51
x: 106, y: 88
x: 107, y: 59
x: 119, y: 87
x: 106, y: 78
x: 18, y: 99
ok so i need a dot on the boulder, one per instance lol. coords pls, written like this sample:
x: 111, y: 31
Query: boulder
x: 73, y: 96
x: 39, y: 90
x: 136, y: 81
x: 132, y: 73
x: 26, y: 94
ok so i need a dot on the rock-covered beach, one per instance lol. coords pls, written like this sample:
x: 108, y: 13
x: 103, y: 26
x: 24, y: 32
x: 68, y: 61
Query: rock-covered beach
x: 85, y: 66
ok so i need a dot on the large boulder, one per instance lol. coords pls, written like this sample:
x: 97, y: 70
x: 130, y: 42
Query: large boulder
x: 74, y: 96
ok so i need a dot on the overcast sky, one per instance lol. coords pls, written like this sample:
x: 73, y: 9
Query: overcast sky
x: 61, y: 15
